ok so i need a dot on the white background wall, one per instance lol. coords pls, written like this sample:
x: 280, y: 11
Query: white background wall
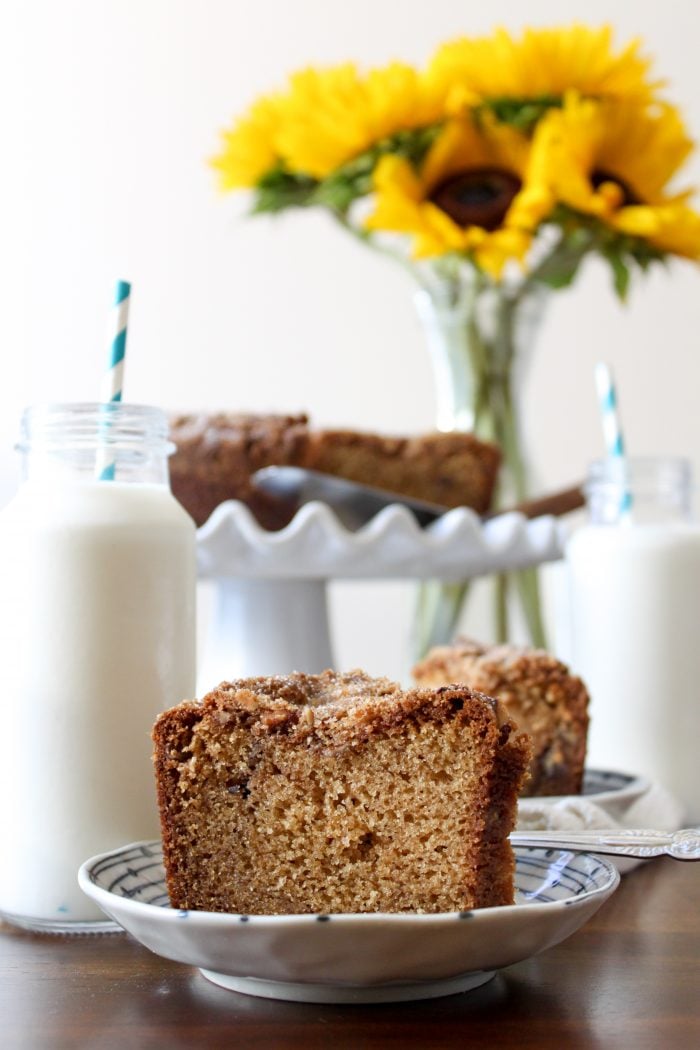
x: 110, y: 110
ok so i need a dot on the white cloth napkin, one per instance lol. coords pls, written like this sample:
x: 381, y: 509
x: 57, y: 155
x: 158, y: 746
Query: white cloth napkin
x: 655, y: 807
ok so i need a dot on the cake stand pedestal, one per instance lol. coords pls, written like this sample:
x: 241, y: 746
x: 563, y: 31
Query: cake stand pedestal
x: 270, y: 612
x: 266, y: 627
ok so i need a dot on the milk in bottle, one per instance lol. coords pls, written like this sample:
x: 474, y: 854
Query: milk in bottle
x: 635, y: 587
x: 96, y: 637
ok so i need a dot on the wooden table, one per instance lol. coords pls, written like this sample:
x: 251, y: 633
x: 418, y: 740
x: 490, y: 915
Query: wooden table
x: 630, y: 978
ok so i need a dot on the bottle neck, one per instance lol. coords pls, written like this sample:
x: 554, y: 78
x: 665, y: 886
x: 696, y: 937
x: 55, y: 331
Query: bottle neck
x: 640, y: 490
x: 99, y: 442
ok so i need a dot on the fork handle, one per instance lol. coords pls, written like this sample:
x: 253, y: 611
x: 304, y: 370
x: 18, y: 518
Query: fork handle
x: 621, y: 842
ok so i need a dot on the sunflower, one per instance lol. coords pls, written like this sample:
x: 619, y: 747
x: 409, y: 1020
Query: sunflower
x: 468, y: 197
x: 249, y: 150
x: 540, y: 66
x: 614, y: 161
x: 329, y: 117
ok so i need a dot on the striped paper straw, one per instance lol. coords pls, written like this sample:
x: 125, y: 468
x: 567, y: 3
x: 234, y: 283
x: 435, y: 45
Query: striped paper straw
x: 113, y: 381
x: 610, y: 419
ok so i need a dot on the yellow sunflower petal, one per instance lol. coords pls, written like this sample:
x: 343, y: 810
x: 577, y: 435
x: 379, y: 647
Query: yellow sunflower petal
x: 249, y: 150
x: 396, y: 174
x: 462, y: 144
x: 541, y: 63
x: 402, y: 208
x: 564, y: 150
x: 532, y: 206
x: 399, y: 194
x: 646, y: 147
x: 332, y: 115
x: 444, y: 234
x: 500, y: 248
x: 671, y: 228
x: 596, y: 157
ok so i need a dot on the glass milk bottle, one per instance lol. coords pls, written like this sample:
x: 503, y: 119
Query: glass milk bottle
x: 97, y: 636
x: 634, y: 573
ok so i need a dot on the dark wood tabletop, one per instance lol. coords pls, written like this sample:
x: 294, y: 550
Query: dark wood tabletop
x: 629, y: 978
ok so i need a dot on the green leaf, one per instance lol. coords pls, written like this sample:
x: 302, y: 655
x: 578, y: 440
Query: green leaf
x: 280, y: 189
x: 644, y: 254
x: 562, y: 277
x: 412, y: 144
x: 340, y: 190
x: 620, y: 272
x: 583, y: 234
x: 354, y: 179
x: 521, y: 114
x: 559, y: 270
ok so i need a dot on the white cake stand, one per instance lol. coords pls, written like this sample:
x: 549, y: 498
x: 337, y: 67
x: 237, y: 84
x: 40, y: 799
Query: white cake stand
x: 270, y: 611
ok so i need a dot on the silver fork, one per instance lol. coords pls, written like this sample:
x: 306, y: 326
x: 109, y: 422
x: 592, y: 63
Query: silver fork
x: 620, y: 842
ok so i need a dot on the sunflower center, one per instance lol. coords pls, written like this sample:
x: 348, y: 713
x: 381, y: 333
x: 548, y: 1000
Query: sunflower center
x: 600, y: 176
x: 480, y: 197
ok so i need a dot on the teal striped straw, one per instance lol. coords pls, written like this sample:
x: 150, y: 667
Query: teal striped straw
x: 610, y: 419
x: 113, y: 381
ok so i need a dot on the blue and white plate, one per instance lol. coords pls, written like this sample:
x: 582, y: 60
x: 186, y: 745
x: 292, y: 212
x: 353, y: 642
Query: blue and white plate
x: 603, y: 785
x: 348, y: 958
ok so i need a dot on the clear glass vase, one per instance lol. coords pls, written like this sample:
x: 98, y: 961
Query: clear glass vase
x: 480, y: 338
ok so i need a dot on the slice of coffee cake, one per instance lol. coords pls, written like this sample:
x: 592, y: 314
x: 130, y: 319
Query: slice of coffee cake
x: 539, y: 692
x: 337, y: 793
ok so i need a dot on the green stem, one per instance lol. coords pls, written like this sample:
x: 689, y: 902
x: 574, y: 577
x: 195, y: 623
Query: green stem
x: 558, y: 268
x: 500, y: 587
x: 479, y: 360
x: 437, y: 614
x: 505, y: 423
x: 528, y: 591
x: 365, y: 237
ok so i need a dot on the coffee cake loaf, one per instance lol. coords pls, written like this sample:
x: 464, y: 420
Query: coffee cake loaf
x: 337, y: 793
x: 451, y: 469
x: 217, y: 454
x: 539, y: 693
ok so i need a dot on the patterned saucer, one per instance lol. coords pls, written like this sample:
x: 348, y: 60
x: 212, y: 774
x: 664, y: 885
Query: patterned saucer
x: 350, y: 958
